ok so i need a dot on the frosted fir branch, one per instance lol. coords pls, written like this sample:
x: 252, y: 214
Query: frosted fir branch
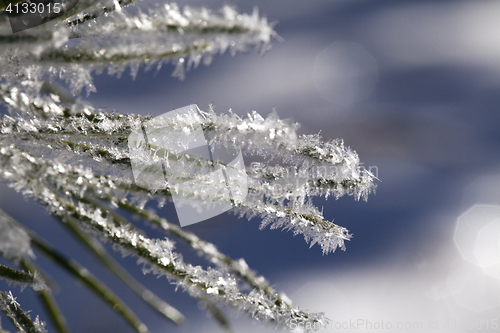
x: 122, y: 40
x: 80, y: 273
x: 20, y: 318
x: 1, y: 329
x: 22, y: 278
x: 189, y: 21
x: 210, y: 307
x: 160, y: 259
x: 329, y: 168
x: 5, y: 3
x: 217, y: 284
x: 102, y: 136
x: 120, y: 221
x: 92, y: 282
x: 83, y: 275
x: 301, y: 218
x: 87, y: 10
x: 237, y: 267
x: 304, y: 219
x: 148, y: 296
x: 278, y: 183
x: 158, y: 255
x: 75, y: 161
x: 100, y: 187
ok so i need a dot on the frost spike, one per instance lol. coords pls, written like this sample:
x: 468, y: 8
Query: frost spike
x: 18, y: 316
x: 21, y: 277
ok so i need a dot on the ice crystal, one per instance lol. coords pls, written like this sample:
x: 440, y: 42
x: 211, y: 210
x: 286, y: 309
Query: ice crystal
x: 20, y: 318
x: 76, y: 160
x: 22, y: 278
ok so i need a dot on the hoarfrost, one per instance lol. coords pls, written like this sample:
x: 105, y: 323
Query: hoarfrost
x: 121, y: 40
x: 157, y: 255
x: 76, y: 160
x: 279, y: 193
x: 20, y: 318
x: 14, y: 241
x: 22, y: 278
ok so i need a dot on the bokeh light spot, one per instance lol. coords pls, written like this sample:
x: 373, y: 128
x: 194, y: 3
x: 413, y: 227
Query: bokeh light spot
x: 473, y: 289
x: 487, y: 249
x: 468, y: 228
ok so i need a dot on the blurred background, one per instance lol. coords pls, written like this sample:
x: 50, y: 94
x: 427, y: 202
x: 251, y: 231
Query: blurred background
x: 414, y: 88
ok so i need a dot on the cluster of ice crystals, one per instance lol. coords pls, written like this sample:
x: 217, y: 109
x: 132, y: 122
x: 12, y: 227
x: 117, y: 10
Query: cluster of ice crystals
x: 302, y: 219
x: 279, y: 193
x: 123, y: 39
x: 66, y: 154
x: 254, y: 134
x: 22, y: 279
x: 20, y: 318
x: 158, y: 255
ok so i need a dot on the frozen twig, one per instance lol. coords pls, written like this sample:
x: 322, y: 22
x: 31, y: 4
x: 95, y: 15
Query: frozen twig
x: 18, y: 316
x: 22, y: 278
x: 49, y: 302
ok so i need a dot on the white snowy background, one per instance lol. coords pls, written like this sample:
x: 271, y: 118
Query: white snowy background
x: 414, y: 88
